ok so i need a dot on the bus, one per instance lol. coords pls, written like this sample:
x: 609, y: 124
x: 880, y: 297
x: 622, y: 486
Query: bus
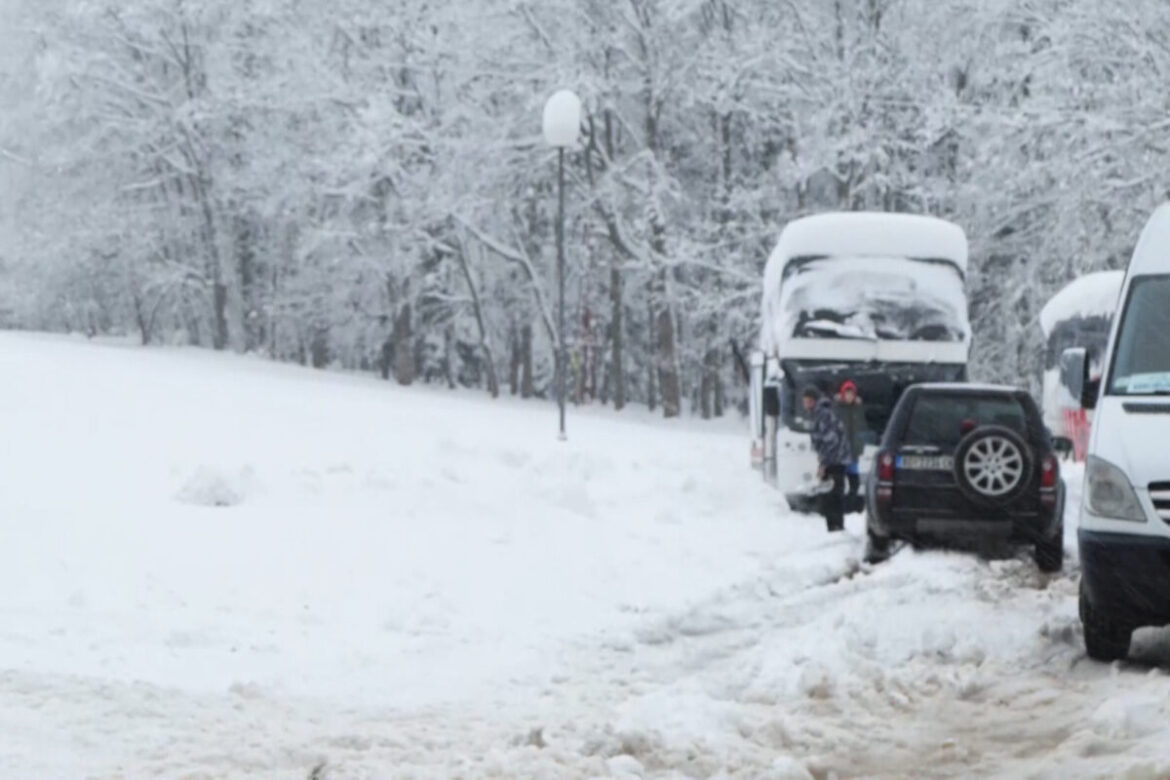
x: 1080, y: 315
x: 875, y: 298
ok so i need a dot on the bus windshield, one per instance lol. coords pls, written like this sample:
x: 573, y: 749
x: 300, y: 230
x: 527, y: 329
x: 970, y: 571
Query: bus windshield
x: 875, y: 298
x: 1141, y: 363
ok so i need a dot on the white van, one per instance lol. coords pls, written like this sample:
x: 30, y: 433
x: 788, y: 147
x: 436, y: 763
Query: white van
x: 1124, y: 531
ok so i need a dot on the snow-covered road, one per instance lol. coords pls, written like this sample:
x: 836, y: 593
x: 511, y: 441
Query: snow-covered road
x: 415, y: 583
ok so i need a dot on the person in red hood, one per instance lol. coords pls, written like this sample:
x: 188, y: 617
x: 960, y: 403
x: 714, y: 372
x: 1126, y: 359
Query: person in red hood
x: 852, y: 415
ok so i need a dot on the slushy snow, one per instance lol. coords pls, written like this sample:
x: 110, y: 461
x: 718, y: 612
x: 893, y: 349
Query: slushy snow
x: 218, y: 565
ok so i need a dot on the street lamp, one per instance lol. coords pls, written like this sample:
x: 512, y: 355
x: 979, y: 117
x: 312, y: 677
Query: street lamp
x: 562, y: 128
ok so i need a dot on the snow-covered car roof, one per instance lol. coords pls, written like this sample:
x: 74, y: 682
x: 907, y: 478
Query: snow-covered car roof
x: 1094, y: 294
x: 868, y: 233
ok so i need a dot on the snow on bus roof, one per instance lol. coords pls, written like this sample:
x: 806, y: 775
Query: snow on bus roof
x: 1094, y: 294
x: 865, y: 233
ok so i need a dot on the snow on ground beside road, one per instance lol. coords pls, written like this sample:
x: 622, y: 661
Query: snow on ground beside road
x: 398, y: 547
x: 216, y: 564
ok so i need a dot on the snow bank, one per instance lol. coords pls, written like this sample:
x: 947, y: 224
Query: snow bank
x: 212, y: 487
x: 408, y: 547
x: 1092, y: 295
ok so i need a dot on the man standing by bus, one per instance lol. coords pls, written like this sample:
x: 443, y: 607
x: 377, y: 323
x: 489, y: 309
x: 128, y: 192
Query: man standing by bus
x: 834, y: 453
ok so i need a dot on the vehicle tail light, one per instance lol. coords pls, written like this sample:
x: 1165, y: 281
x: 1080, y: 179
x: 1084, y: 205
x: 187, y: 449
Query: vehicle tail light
x: 885, y: 477
x: 1049, y: 476
x: 1049, y: 472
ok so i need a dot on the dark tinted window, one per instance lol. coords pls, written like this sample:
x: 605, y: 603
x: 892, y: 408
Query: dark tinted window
x: 880, y: 386
x: 1092, y: 333
x: 940, y: 420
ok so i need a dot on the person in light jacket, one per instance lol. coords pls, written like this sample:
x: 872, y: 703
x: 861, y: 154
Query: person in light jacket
x: 834, y: 454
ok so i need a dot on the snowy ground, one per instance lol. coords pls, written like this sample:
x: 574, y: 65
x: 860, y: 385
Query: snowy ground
x: 216, y: 565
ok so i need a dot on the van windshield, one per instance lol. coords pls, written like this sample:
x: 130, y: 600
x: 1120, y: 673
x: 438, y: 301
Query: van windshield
x: 1141, y: 362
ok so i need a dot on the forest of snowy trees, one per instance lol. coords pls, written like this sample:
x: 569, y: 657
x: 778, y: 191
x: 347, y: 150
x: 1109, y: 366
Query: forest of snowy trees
x: 362, y: 185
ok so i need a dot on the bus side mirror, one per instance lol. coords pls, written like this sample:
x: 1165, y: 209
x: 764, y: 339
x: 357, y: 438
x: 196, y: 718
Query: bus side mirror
x: 1074, y: 375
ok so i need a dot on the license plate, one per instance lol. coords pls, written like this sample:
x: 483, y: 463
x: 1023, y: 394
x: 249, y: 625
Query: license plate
x: 926, y: 462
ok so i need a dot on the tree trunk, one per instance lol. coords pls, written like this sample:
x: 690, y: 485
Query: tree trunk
x: 484, y: 339
x: 526, y: 388
x: 403, y: 354
x: 668, y: 378
x: 651, y: 367
x: 707, y: 386
x: 720, y: 400
x: 447, y: 372
x: 220, y: 331
x: 617, y: 371
x: 144, y: 327
x: 219, y: 294
x: 669, y: 381
x: 248, y: 282
x: 593, y: 370
x: 319, y: 348
x: 386, y: 357
x: 514, y: 364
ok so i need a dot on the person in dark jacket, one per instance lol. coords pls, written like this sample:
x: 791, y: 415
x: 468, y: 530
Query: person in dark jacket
x: 852, y: 415
x: 833, y: 453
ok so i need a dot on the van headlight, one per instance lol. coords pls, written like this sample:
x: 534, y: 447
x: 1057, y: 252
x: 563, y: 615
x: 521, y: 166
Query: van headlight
x: 1109, y: 494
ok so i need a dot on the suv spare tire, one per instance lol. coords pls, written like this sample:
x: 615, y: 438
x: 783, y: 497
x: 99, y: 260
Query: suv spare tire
x: 994, y: 465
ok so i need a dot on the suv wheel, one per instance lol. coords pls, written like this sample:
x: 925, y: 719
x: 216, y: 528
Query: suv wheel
x: 1104, y: 640
x: 993, y: 465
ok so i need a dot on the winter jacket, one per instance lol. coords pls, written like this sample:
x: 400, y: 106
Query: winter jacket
x: 828, y: 436
x: 853, y: 418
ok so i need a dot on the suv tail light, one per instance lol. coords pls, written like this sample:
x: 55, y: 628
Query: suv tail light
x: 885, y: 476
x: 1049, y: 476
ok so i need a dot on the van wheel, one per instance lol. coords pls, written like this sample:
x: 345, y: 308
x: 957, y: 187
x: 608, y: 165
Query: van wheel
x: 1049, y: 553
x: 1104, y: 640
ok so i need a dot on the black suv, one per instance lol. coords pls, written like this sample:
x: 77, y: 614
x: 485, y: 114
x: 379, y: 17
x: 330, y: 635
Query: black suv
x: 966, y: 462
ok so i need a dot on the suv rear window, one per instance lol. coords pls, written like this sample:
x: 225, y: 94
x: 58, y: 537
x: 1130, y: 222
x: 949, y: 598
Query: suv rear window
x: 940, y: 420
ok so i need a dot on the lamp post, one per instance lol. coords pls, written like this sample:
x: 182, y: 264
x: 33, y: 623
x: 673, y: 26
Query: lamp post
x: 562, y: 128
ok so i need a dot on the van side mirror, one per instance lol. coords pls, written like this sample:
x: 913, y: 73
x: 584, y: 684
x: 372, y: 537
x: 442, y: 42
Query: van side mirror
x: 1074, y: 375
